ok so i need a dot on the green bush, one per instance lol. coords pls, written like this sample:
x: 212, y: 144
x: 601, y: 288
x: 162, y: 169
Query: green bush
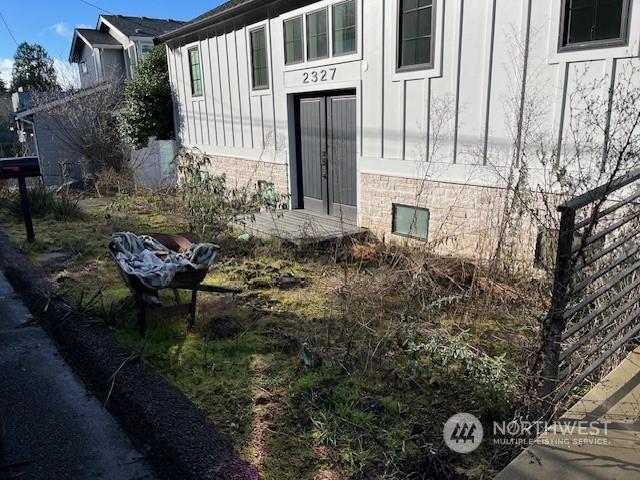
x: 66, y: 208
x: 148, y: 104
x: 44, y: 202
x: 462, y: 369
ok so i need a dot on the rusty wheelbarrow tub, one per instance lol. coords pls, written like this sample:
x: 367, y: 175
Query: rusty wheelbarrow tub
x: 190, y: 279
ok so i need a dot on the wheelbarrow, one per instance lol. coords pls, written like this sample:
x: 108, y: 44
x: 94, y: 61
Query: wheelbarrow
x: 190, y: 279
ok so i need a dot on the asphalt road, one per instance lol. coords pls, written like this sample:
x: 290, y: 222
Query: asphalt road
x: 53, y: 428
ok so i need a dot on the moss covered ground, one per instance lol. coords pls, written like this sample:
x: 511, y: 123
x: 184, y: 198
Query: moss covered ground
x: 335, y: 362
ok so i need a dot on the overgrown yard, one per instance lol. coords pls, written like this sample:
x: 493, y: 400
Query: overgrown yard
x: 336, y: 362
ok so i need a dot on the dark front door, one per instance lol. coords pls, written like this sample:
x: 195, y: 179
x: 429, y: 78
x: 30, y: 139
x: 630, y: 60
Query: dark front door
x: 327, y: 155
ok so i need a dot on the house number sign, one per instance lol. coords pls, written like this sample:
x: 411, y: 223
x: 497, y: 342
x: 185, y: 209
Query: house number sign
x: 319, y: 75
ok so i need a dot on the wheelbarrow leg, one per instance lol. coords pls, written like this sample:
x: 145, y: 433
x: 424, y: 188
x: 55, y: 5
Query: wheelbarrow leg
x: 142, y: 317
x: 194, y: 303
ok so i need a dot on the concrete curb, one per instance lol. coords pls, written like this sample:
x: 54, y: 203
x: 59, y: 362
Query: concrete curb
x: 164, y: 424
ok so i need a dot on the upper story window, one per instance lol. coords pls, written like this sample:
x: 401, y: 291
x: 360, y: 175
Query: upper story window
x: 344, y: 28
x: 259, y: 68
x: 195, y: 71
x: 317, y: 38
x: 145, y: 48
x: 594, y: 23
x: 293, y: 41
x: 83, y: 67
x: 415, y: 42
x: 314, y: 28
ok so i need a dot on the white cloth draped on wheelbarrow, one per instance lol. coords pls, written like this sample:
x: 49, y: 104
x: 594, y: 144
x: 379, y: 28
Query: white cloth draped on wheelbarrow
x: 153, y: 263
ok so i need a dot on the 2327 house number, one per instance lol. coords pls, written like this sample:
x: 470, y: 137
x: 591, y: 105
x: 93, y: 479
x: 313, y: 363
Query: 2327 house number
x: 316, y: 76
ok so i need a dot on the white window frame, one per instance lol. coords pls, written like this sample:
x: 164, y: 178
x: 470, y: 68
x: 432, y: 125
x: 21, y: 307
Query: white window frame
x: 622, y: 40
x: 331, y: 59
x: 556, y: 55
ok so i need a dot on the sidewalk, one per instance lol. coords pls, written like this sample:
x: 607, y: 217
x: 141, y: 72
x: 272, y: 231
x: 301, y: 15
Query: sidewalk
x: 55, y: 429
x: 614, y: 454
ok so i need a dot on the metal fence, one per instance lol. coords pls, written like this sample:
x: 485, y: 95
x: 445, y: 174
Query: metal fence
x: 595, y: 309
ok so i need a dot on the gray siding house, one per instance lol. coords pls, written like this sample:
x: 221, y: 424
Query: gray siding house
x: 386, y: 110
x: 113, y: 49
x: 107, y: 53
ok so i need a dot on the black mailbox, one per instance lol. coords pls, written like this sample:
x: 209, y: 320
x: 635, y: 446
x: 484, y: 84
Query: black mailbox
x: 19, y: 167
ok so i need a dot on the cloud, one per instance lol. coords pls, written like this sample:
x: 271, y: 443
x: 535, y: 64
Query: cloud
x: 62, y: 29
x: 6, y: 66
x: 68, y: 75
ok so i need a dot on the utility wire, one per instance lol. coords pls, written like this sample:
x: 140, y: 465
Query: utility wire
x: 8, y: 29
x: 96, y: 7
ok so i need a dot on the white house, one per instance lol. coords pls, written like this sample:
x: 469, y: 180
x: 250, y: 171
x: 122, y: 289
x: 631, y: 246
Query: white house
x: 382, y: 110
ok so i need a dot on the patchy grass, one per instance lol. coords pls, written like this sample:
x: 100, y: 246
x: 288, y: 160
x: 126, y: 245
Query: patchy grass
x: 334, y: 363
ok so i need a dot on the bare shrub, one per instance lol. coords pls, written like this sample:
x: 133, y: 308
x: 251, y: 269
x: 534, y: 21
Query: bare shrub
x: 213, y: 205
x: 84, y: 124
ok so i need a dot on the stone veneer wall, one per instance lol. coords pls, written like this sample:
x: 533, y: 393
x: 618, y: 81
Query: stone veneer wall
x: 241, y: 172
x: 464, y: 219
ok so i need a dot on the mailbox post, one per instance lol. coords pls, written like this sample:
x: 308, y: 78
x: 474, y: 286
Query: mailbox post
x: 22, y: 168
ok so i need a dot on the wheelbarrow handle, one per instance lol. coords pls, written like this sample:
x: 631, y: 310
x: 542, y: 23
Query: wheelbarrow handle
x: 218, y: 289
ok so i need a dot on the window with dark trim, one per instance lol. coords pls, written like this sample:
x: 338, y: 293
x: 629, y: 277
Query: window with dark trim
x: 259, y: 68
x: 344, y: 28
x: 594, y: 23
x: 415, y: 34
x: 317, y: 38
x: 145, y: 48
x: 293, y: 42
x: 195, y: 71
x: 410, y: 221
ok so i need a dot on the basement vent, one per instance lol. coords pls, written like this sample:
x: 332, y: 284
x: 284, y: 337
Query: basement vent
x: 412, y: 222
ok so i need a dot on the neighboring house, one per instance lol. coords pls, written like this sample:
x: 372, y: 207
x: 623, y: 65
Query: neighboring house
x: 107, y: 53
x: 115, y: 46
x: 341, y: 103
x: 42, y: 135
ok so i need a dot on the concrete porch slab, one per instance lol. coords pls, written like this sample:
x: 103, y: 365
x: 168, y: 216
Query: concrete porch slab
x: 299, y: 227
x: 613, y: 453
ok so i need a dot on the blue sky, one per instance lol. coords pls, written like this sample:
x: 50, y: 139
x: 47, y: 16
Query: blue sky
x: 51, y: 22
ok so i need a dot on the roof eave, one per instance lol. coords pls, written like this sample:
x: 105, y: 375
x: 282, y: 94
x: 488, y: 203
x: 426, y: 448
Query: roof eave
x: 74, y: 43
x: 210, y: 21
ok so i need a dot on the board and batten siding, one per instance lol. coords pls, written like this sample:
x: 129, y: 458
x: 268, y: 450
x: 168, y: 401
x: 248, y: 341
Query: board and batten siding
x: 458, y: 114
